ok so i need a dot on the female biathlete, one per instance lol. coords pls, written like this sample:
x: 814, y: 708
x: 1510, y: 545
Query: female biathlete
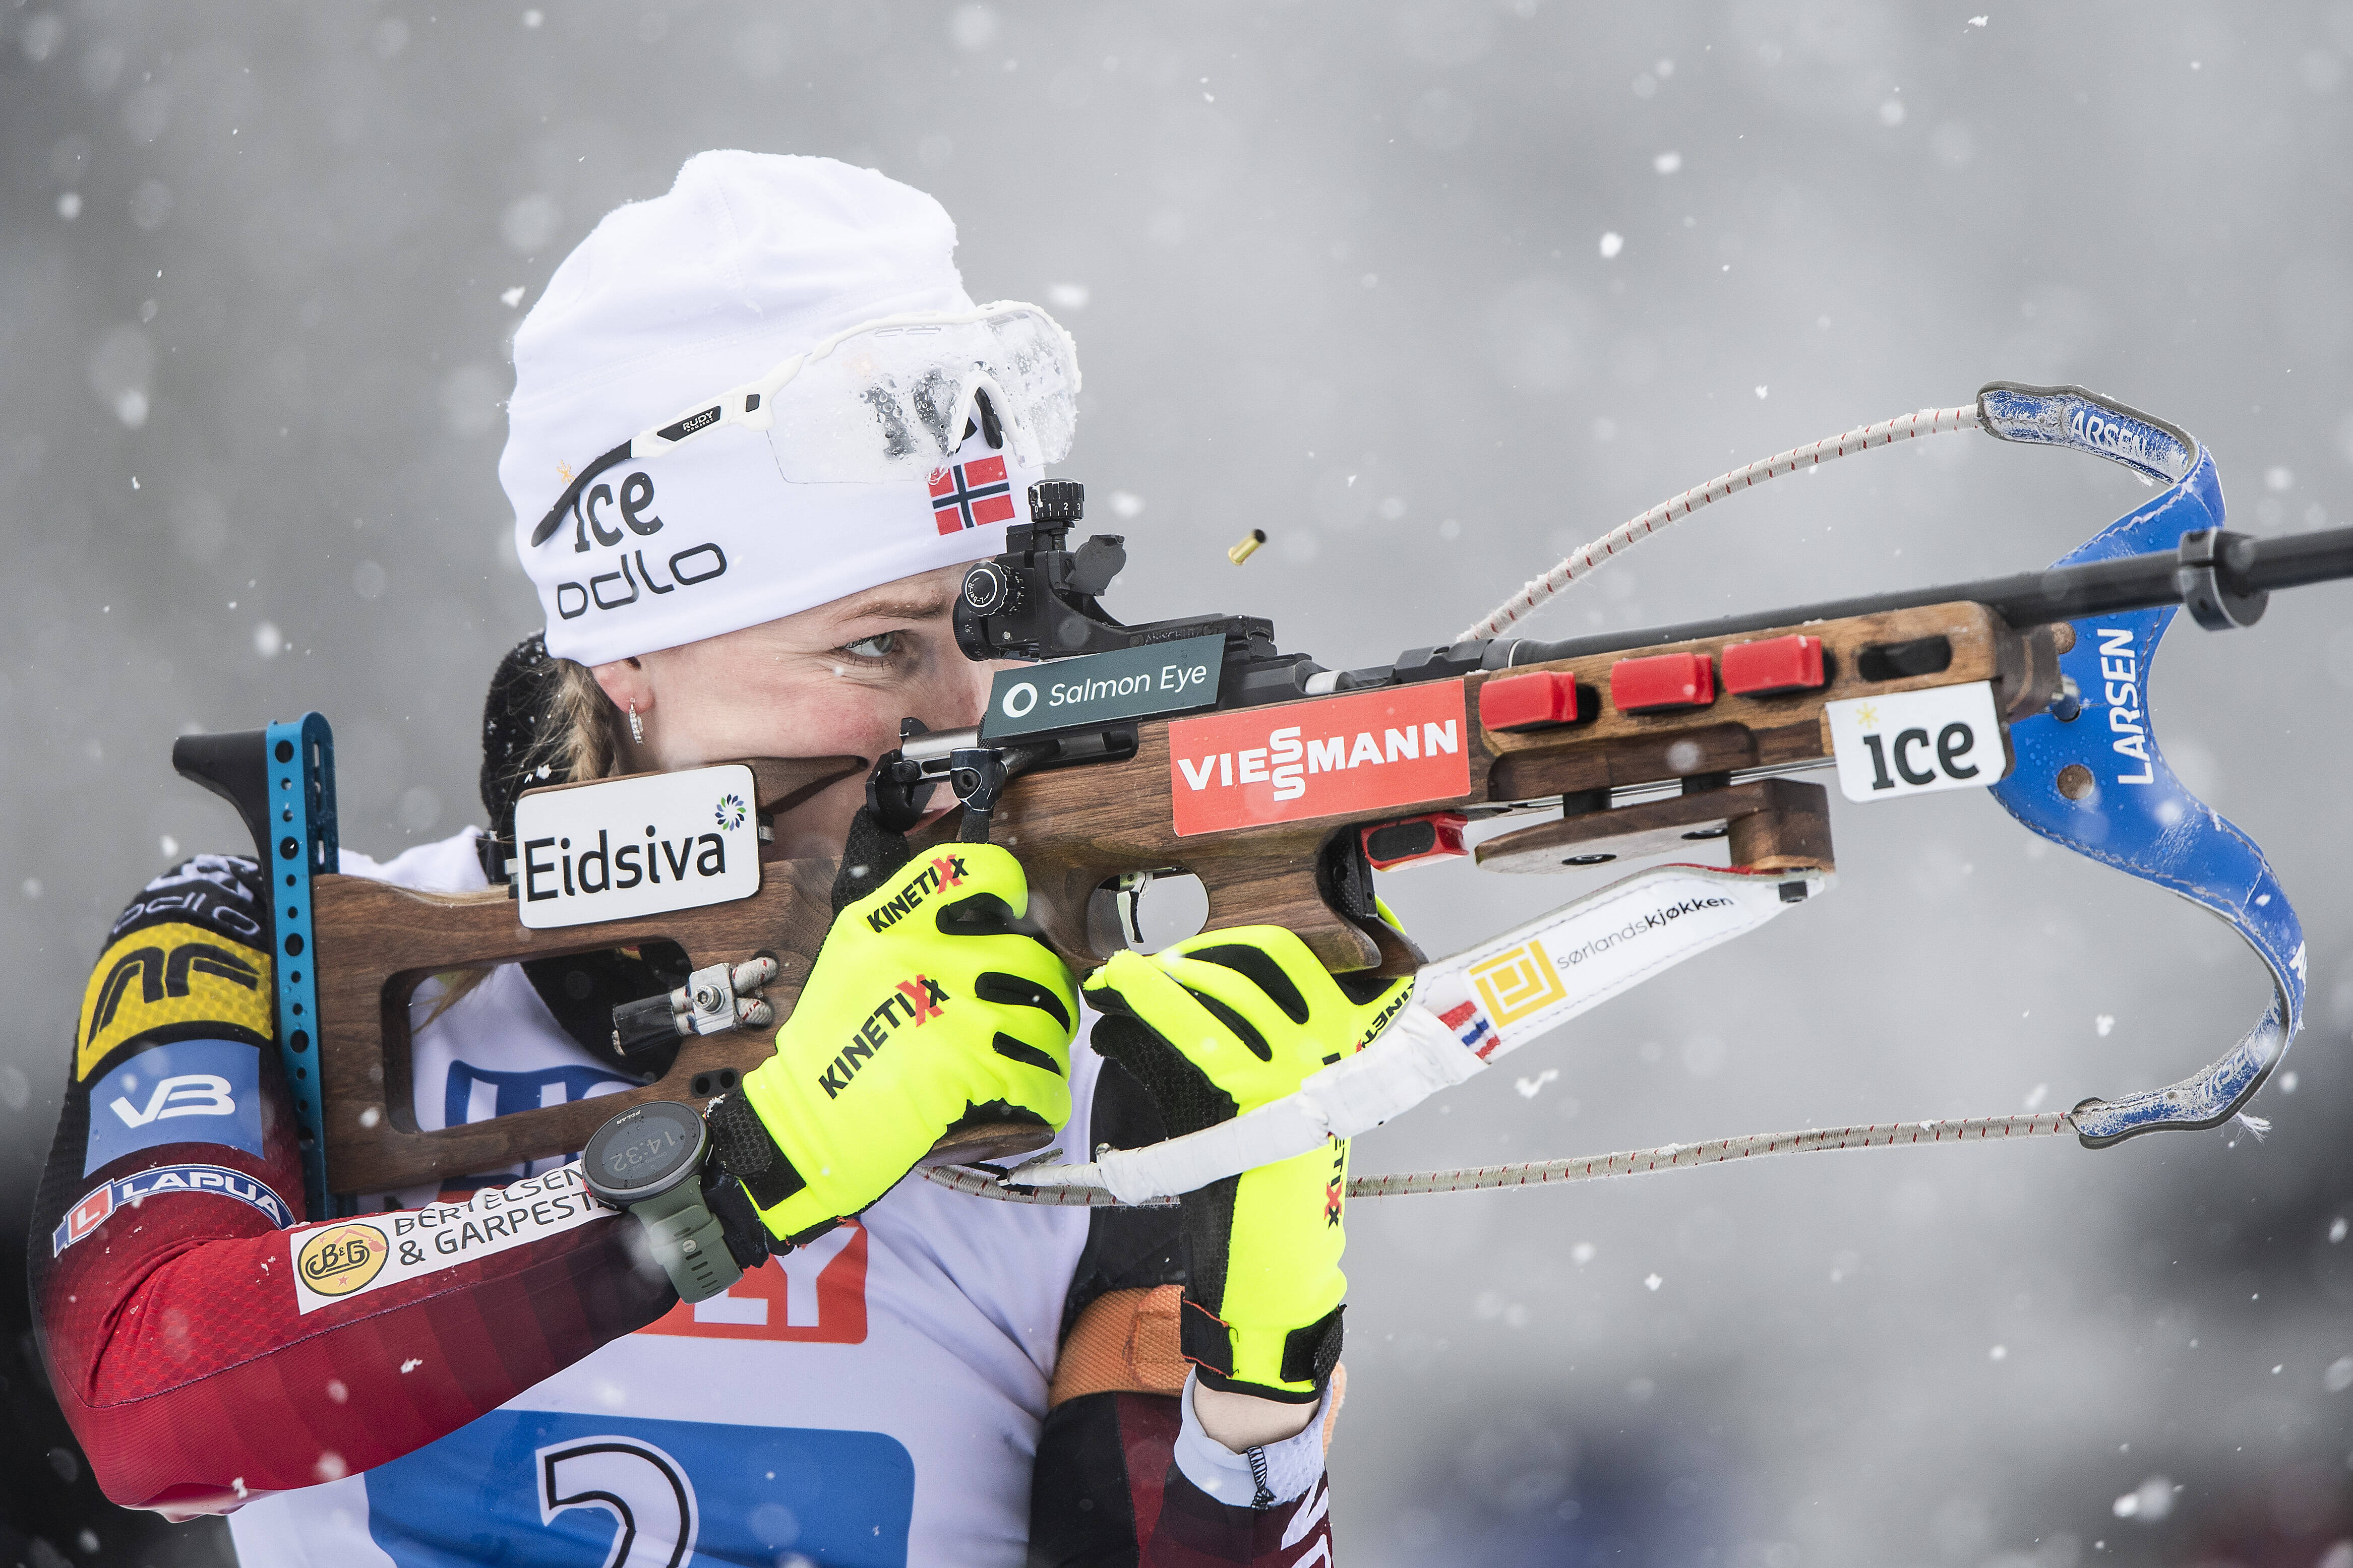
x: 905, y: 1376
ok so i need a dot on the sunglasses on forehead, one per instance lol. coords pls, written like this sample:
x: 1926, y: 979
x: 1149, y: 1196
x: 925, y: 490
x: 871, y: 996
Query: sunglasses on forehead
x: 888, y: 399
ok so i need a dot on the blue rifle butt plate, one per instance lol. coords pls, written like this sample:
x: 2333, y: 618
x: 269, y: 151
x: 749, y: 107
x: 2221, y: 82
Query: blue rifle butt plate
x: 300, y: 759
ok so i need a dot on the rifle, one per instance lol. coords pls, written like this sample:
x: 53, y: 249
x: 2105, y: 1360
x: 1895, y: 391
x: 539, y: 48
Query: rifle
x: 1194, y: 745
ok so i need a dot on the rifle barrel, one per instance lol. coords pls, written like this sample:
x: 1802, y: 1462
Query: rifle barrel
x: 2025, y: 599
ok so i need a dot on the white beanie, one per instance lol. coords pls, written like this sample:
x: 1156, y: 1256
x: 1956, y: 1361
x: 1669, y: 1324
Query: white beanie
x: 749, y: 260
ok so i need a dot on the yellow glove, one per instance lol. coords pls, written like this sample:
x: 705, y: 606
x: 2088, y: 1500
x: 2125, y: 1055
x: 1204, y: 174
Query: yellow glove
x: 927, y: 1008
x: 1216, y: 1025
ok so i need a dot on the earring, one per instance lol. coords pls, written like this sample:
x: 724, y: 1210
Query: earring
x: 637, y: 726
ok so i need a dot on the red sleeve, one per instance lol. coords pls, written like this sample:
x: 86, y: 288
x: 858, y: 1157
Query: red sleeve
x: 163, y: 1261
x: 1107, y: 1494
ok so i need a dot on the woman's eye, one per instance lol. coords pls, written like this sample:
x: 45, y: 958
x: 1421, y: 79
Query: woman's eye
x: 879, y: 646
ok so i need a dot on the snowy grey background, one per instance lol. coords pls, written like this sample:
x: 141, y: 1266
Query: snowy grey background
x: 1432, y: 291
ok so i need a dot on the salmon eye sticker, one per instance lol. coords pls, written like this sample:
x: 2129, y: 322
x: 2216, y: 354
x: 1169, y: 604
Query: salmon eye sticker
x: 1364, y: 751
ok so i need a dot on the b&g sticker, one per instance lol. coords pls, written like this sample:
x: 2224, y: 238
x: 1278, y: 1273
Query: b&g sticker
x: 342, y: 1259
x: 336, y: 1262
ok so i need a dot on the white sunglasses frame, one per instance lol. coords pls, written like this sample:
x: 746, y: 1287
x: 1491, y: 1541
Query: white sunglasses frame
x: 753, y: 403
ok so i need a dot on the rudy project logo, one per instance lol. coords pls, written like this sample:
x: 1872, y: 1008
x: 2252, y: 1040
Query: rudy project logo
x: 128, y: 1191
x: 1519, y: 982
x: 170, y: 973
x: 1365, y: 751
x: 971, y: 495
x: 341, y: 1259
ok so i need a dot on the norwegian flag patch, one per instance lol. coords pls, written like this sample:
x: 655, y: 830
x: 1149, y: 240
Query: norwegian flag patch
x: 969, y: 495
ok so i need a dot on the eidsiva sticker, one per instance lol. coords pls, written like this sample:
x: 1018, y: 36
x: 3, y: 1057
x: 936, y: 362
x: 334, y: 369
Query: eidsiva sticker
x: 336, y: 1262
x: 636, y: 846
x: 1910, y: 742
x: 190, y: 1091
x: 1365, y: 751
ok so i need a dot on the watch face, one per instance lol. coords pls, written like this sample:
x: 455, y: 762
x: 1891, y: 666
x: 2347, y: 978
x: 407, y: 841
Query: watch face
x: 642, y: 1149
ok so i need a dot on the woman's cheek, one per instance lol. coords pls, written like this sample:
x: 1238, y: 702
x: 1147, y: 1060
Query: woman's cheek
x: 847, y: 716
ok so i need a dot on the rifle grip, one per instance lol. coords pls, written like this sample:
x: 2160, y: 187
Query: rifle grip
x: 1265, y: 880
x: 1299, y: 901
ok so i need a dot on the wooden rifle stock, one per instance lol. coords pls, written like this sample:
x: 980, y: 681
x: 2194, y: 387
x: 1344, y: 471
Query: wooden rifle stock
x: 1079, y: 828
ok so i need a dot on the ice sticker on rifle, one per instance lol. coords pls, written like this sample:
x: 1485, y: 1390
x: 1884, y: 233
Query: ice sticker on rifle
x: 634, y: 846
x: 1129, y: 683
x: 1910, y: 742
x: 1367, y: 751
x: 336, y: 1262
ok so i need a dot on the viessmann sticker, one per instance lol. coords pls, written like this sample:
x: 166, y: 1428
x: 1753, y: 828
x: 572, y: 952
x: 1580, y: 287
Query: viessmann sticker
x: 350, y: 1258
x: 1365, y: 751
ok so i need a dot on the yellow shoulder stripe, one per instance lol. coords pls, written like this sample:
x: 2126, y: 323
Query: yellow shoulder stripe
x: 170, y: 973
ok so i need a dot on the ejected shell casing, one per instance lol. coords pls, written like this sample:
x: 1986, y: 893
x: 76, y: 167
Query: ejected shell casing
x: 1249, y: 543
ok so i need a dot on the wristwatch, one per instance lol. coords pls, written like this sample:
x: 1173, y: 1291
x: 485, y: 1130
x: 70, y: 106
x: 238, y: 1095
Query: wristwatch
x: 648, y: 1161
